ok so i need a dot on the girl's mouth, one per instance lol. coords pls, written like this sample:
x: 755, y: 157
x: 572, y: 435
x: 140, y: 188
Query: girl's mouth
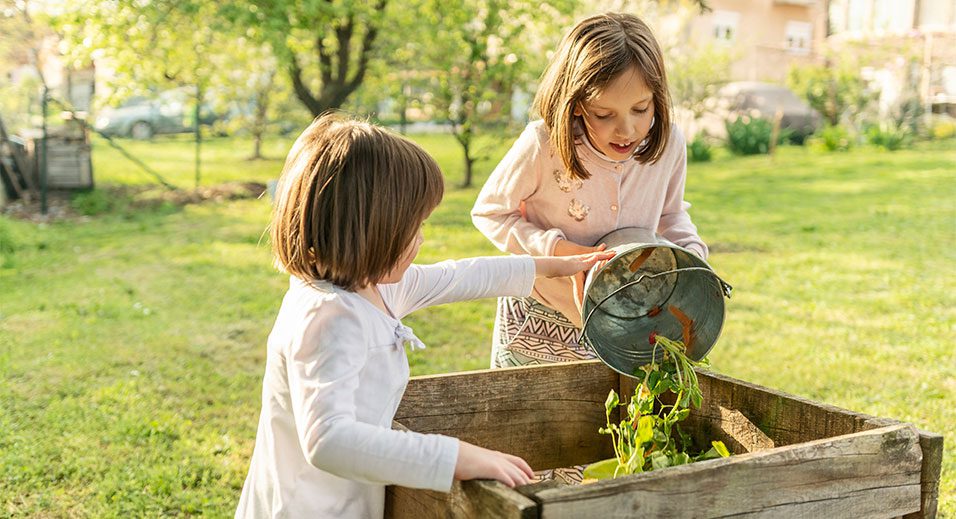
x: 622, y: 148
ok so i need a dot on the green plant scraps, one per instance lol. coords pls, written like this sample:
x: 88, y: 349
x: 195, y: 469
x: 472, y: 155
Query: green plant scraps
x: 649, y: 439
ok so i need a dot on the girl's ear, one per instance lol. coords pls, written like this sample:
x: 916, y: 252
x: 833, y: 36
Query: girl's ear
x: 577, y: 112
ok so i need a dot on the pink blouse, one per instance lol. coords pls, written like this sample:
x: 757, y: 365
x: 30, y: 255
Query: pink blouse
x: 530, y: 202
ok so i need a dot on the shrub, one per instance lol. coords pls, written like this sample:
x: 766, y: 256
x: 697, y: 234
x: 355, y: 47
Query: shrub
x: 749, y: 135
x: 834, y: 91
x: 942, y: 129
x: 834, y: 138
x: 700, y: 149
x: 888, y: 135
x: 8, y: 245
x: 92, y: 203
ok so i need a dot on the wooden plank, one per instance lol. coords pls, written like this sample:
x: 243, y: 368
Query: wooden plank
x: 548, y: 415
x: 467, y: 499
x: 789, y: 419
x: 932, y: 446
x: 873, y: 473
x: 22, y: 164
x: 786, y: 419
x: 740, y: 434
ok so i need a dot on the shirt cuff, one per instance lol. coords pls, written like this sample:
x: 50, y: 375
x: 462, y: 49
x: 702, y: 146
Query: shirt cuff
x: 551, y: 238
x: 526, y: 277
x: 447, y: 460
x: 699, y: 251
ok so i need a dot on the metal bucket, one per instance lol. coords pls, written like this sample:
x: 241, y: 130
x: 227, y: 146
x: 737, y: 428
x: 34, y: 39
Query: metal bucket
x: 651, y: 286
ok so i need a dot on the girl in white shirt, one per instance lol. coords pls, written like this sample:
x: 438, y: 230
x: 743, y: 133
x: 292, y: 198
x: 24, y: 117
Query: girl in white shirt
x: 346, y: 226
x: 603, y: 156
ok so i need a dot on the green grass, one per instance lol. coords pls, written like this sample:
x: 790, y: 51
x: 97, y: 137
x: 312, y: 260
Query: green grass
x: 131, y: 344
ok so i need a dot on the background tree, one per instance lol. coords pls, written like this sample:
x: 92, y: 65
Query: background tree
x: 22, y: 37
x: 479, y: 52
x: 834, y: 89
x: 325, y: 47
x: 254, y: 97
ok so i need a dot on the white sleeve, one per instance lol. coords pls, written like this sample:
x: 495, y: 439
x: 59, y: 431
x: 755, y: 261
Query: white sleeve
x: 323, y: 373
x: 450, y: 281
x: 675, y: 223
x: 497, y: 210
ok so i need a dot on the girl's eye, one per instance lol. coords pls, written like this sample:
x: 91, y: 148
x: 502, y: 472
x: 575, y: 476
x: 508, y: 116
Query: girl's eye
x: 602, y: 117
x: 639, y: 111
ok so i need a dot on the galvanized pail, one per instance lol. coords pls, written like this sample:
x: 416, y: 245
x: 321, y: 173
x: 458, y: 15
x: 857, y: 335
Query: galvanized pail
x: 651, y: 286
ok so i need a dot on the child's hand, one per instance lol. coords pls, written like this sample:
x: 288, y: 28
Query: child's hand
x: 475, y: 462
x: 561, y: 266
x: 573, y: 250
x: 569, y: 248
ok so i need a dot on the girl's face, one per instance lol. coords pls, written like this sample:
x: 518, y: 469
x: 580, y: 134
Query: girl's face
x: 618, y: 119
x: 395, y: 275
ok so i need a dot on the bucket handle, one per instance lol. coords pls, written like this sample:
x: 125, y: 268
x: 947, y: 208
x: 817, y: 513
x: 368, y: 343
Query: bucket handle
x: 725, y: 287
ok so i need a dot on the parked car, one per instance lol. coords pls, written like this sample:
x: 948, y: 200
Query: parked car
x: 141, y: 117
x: 756, y: 99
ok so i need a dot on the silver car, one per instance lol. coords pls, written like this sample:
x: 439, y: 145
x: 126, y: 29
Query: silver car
x: 141, y: 118
x: 765, y: 100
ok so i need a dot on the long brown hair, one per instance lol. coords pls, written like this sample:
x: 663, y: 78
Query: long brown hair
x: 350, y: 200
x: 597, y: 50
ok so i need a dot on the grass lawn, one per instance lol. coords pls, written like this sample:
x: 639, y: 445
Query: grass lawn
x: 131, y: 343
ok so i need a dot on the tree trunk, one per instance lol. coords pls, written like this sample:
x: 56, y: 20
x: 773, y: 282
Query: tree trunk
x: 465, y: 140
x: 197, y: 133
x: 256, y: 146
x: 403, y: 113
x: 261, y: 117
x: 469, y: 163
x: 334, y: 68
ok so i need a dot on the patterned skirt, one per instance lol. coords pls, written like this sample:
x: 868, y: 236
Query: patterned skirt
x: 527, y: 332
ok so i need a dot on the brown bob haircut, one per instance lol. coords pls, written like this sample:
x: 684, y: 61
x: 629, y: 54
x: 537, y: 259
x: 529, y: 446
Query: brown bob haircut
x: 350, y: 200
x: 596, y: 51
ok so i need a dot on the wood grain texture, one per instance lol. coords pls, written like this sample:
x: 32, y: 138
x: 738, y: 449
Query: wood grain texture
x: 828, y: 462
x: 548, y: 415
x: 467, y: 499
x: 873, y: 473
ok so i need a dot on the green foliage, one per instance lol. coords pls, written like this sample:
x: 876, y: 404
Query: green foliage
x: 478, y: 53
x: 942, y: 128
x: 325, y: 48
x: 8, y: 245
x: 834, y: 138
x: 695, y: 75
x: 749, y: 135
x: 836, y: 91
x: 650, y: 437
x: 889, y: 135
x: 700, y: 149
x: 92, y: 203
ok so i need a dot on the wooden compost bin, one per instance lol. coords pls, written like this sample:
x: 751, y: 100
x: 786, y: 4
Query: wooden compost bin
x: 792, y: 457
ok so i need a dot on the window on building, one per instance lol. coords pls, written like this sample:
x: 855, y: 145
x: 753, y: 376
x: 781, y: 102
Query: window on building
x: 798, y: 37
x: 725, y: 25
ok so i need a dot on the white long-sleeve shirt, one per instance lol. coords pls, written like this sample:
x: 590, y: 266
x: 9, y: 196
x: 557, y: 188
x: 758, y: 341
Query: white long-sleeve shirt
x: 529, y: 203
x: 336, y: 370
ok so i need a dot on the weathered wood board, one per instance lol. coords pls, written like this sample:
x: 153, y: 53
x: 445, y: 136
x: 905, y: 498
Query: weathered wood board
x: 793, y: 457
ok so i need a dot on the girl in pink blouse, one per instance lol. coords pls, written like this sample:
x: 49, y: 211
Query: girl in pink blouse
x: 603, y: 156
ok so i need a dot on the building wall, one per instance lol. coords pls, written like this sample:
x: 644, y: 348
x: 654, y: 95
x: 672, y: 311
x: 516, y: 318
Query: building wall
x: 861, y: 18
x: 766, y: 37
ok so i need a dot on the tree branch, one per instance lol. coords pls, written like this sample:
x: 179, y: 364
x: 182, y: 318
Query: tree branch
x: 325, y: 61
x: 301, y: 89
x: 343, y: 34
